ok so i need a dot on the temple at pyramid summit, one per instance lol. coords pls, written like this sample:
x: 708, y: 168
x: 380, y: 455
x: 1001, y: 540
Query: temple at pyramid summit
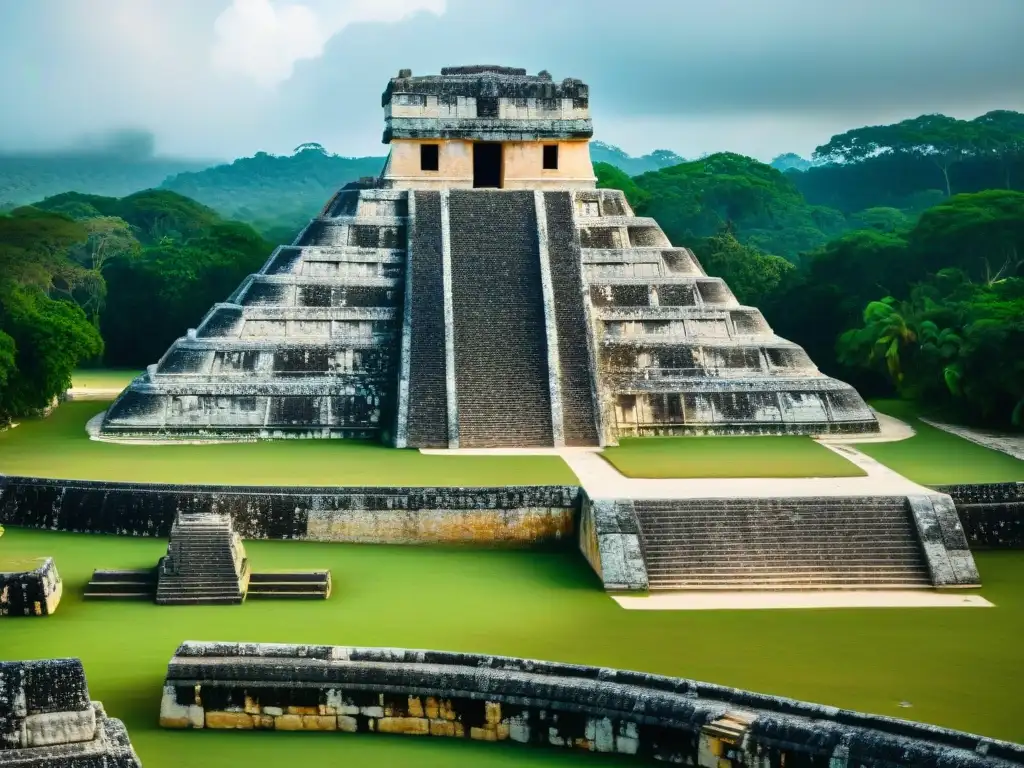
x: 482, y: 292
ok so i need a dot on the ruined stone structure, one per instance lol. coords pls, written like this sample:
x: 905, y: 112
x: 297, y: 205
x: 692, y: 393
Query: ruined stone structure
x: 34, y: 590
x: 205, y: 564
x: 832, y: 542
x: 494, y: 698
x: 481, y: 292
x: 48, y: 721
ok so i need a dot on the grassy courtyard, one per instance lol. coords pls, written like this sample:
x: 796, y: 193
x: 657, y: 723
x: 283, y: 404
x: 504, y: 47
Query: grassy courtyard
x: 102, y: 378
x: 686, y: 457
x: 935, y: 457
x: 59, y: 447
x: 958, y: 667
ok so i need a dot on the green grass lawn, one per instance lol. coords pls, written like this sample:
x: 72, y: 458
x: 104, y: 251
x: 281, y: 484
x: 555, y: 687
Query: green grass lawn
x: 935, y: 457
x: 782, y: 456
x: 59, y: 447
x: 102, y: 378
x: 957, y: 667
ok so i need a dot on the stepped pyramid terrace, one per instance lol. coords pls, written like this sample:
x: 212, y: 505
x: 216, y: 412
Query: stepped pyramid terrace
x: 482, y: 292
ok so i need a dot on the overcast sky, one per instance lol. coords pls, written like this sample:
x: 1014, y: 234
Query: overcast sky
x: 223, y: 78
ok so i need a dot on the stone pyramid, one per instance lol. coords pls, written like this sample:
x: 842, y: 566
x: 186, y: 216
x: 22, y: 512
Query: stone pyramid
x: 482, y: 292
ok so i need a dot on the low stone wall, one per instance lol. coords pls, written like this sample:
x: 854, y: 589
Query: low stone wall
x: 400, y: 515
x: 491, y: 698
x: 992, y: 514
x: 48, y: 721
x: 33, y: 592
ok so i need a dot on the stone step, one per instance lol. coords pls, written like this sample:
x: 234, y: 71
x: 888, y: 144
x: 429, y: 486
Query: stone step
x: 788, y: 576
x: 754, y: 560
x: 89, y: 595
x: 777, y: 545
x: 680, y: 566
x: 816, y: 534
x: 198, y: 586
x: 285, y: 586
x: 199, y: 601
x: 850, y: 518
x: 120, y: 586
x: 745, y: 584
x: 279, y: 595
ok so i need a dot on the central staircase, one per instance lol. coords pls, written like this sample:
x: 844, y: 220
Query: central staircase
x: 205, y: 563
x: 795, y: 543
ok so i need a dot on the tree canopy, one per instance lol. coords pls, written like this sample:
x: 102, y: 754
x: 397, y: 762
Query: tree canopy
x: 759, y: 203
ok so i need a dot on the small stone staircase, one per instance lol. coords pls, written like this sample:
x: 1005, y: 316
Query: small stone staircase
x: 795, y: 543
x: 205, y: 563
x: 122, y: 585
x: 294, y: 585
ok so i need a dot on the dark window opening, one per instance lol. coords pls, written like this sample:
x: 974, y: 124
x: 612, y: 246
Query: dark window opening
x: 550, y: 157
x: 487, y: 164
x: 486, y: 107
x: 429, y: 157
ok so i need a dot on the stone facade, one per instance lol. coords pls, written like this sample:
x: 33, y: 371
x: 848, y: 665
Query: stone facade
x: 507, y: 515
x: 491, y: 698
x: 31, y: 592
x: 546, y: 307
x: 48, y: 721
x: 677, y: 354
x: 307, y: 347
x: 992, y: 514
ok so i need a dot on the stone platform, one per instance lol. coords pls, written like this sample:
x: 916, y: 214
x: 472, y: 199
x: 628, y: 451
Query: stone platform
x: 206, y: 564
x: 493, y: 698
x: 33, y: 590
x: 880, y: 531
x: 48, y: 721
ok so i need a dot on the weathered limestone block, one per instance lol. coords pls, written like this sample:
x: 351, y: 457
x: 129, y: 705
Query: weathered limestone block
x: 942, y: 538
x: 34, y: 591
x: 48, y: 721
x: 49, y: 728
x: 415, y: 726
x: 610, y: 540
x: 236, y: 720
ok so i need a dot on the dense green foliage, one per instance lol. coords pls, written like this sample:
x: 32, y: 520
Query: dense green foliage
x: 600, y: 152
x: 935, y: 312
x: 915, y: 163
x: 760, y: 204
x: 139, y: 269
x: 752, y: 275
x: 276, y: 194
x: 44, y: 334
x: 610, y: 177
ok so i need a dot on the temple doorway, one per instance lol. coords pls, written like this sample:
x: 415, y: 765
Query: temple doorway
x: 487, y: 164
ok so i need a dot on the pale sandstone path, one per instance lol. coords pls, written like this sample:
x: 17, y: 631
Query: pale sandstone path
x: 601, y: 480
x: 742, y: 601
